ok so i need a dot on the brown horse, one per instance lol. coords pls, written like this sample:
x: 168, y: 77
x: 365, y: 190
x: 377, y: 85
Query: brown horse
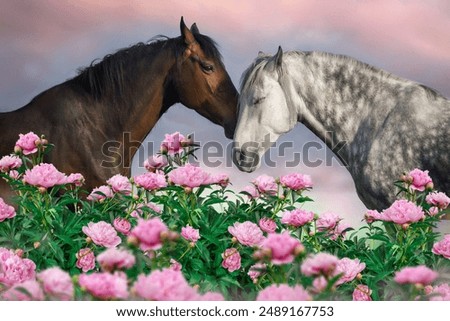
x: 120, y: 99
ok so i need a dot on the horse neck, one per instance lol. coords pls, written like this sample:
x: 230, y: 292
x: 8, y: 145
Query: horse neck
x: 334, y: 97
x: 141, y: 115
x: 146, y: 95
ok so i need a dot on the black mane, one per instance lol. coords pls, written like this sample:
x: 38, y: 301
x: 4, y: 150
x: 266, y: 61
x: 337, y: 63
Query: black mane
x: 107, y: 77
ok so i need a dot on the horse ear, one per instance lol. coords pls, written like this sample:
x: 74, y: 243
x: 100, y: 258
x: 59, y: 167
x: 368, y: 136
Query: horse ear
x: 194, y: 29
x: 279, y: 57
x: 186, y: 33
x: 261, y: 54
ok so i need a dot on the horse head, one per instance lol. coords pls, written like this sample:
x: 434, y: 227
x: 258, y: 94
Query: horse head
x: 202, y: 82
x: 264, y: 113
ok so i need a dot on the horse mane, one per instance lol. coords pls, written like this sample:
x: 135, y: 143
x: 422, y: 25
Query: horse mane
x: 107, y: 77
x: 249, y: 76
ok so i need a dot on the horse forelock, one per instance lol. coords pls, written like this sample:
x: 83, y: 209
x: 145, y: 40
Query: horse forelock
x: 250, y: 74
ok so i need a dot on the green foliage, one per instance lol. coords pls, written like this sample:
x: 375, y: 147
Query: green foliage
x: 48, y: 228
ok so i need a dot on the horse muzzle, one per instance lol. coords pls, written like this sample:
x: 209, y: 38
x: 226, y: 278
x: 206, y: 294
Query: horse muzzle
x: 246, y: 161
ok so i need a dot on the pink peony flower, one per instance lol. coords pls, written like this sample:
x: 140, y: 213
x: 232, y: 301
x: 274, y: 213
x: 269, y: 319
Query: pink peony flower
x: 319, y: 264
x: 155, y: 162
x: 85, y: 260
x: 434, y: 210
x: 77, y: 179
x: 340, y: 230
x: 9, y: 162
x: 415, y: 275
x: 256, y: 270
x: 102, y: 234
x: 115, y: 258
x: 267, y: 225
x: 6, y: 211
x: 441, y: 293
x: 189, y: 233
x: 327, y: 221
x: 252, y: 191
x: 139, y: 211
x: 189, y: 176
x: 373, y: 215
x: 101, y: 193
x: 442, y: 247
x: 349, y: 269
x: 231, y: 260
x: 165, y: 285
x: 404, y: 212
x: 283, y: 292
x: 122, y: 225
x: 282, y: 247
x: 14, y: 269
x: 172, y: 143
x: 266, y: 184
x: 219, y: 179
x: 438, y: 199
x: 104, y: 285
x: 320, y: 283
x: 296, y: 181
x: 57, y: 283
x: 44, y: 175
x: 420, y: 179
x: 155, y: 208
x: 297, y: 217
x: 175, y: 265
x: 362, y: 293
x: 29, y: 290
x: 247, y: 233
x: 14, y: 174
x: 148, y: 233
x: 151, y: 181
x: 28, y: 143
x: 120, y: 184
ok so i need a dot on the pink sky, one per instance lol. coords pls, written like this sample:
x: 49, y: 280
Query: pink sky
x: 44, y: 42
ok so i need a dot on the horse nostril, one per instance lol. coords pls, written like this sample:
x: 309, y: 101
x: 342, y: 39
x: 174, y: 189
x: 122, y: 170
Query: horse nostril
x: 237, y: 156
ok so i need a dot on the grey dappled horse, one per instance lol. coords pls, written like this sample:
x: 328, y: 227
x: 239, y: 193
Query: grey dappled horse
x: 386, y: 124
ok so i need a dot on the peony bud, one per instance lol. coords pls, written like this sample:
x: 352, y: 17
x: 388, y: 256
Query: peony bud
x: 17, y: 150
x: 299, y: 249
x: 132, y: 240
x: 36, y: 245
x: 164, y: 235
x: 173, y: 236
x: 19, y: 252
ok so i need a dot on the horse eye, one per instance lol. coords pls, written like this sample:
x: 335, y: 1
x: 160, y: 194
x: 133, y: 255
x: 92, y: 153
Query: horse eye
x: 207, y: 67
x: 258, y: 100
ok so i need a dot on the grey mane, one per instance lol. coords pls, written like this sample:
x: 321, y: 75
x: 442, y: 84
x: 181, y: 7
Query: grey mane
x: 250, y: 75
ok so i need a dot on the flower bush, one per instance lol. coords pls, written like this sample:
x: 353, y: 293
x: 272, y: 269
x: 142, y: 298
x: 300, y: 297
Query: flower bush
x: 177, y: 232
